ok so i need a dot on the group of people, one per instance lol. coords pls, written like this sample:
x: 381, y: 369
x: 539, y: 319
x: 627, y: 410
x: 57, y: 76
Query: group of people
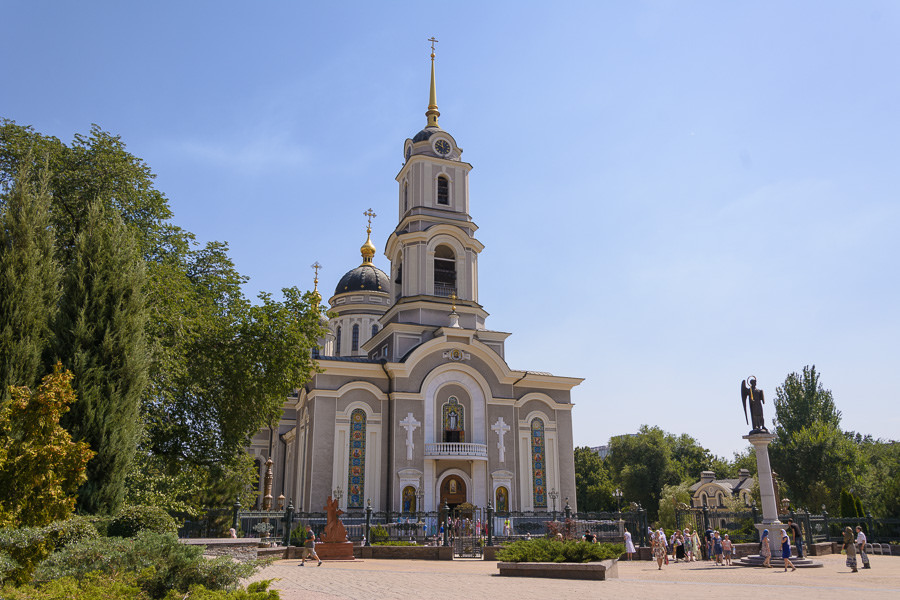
x: 853, y: 545
x: 765, y: 550
x: 687, y: 546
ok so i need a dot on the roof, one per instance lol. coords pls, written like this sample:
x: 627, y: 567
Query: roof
x: 425, y: 134
x: 729, y: 484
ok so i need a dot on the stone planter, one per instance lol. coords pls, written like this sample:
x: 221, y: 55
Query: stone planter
x: 597, y: 571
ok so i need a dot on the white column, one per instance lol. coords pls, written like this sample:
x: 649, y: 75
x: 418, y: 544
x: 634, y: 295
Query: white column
x: 761, y: 443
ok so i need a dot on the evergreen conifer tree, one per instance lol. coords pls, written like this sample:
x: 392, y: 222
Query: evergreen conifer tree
x: 29, y: 280
x: 101, y: 338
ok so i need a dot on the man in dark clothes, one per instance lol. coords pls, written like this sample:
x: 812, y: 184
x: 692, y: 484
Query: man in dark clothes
x: 709, y: 534
x: 798, y: 537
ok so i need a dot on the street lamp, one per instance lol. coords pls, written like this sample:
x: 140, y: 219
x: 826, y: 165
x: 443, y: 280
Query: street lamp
x: 420, y: 497
x: 553, y: 497
x: 618, y: 495
x: 786, y: 504
x: 338, y: 494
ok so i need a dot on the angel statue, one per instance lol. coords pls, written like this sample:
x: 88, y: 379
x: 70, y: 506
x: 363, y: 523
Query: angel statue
x: 756, y: 404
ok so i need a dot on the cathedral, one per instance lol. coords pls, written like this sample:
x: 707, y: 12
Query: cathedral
x: 416, y: 406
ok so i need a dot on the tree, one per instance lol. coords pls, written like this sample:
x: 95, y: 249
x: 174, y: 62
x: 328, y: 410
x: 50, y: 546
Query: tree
x: 641, y: 465
x: 101, y: 337
x: 802, y: 401
x: 671, y: 497
x: 29, y: 281
x: 813, y: 455
x: 41, y: 467
x: 593, y: 487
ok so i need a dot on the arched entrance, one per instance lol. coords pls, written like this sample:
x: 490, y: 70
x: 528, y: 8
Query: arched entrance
x: 453, y: 491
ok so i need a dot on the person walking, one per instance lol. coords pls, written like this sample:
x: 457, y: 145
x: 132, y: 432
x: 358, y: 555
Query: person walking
x: 786, y: 551
x: 727, y: 548
x: 717, y: 548
x: 662, y: 538
x: 695, y: 545
x: 797, y: 534
x: 658, y: 547
x: 850, y: 548
x: 765, y: 549
x: 629, y: 544
x: 861, y: 546
x: 678, y: 547
x: 309, y: 549
x: 688, y: 545
x: 709, y: 542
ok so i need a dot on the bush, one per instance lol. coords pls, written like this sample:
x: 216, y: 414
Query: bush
x: 379, y: 534
x: 546, y: 550
x: 394, y: 543
x: 133, y: 519
x: 124, y: 587
x: 7, y: 565
x: 298, y: 535
x: 73, y: 529
x: 25, y: 547
x: 160, y: 561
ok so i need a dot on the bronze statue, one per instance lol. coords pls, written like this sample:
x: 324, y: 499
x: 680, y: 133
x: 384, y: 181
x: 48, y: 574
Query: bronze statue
x: 756, y: 401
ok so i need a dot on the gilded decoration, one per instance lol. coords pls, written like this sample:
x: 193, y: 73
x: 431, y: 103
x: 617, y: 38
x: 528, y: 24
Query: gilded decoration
x: 538, y: 464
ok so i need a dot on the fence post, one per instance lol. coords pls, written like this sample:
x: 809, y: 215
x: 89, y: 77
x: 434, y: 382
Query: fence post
x: 827, y: 528
x: 568, y: 510
x: 809, y: 538
x: 642, y: 519
x: 288, y: 522
x: 235, y: 522
x: 446, y: 509
x: 705, y: 517
x: 677, y: 518
x: 490, y: 519
x: 871, y: 524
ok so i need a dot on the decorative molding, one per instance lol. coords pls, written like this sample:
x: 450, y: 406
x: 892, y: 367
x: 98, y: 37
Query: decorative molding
x: 501, y: 428
x: 456, y: 354
x: 410, y: 424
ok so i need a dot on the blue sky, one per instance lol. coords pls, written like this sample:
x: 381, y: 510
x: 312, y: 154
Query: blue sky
x: 672, y: 195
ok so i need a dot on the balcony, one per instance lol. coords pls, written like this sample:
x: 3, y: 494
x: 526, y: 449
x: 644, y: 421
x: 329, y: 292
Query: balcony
x: 462, y: 450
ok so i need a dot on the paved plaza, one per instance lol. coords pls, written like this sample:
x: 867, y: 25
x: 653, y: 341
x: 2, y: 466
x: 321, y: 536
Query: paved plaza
x: 426, y: 580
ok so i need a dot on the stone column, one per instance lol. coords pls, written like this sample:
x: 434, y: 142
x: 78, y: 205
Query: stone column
x: 770, y: 520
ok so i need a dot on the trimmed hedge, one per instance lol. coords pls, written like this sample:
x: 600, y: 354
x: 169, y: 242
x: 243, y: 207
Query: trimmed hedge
x: 124, y: 587
x: 547, y: 550
x: 131, y: 520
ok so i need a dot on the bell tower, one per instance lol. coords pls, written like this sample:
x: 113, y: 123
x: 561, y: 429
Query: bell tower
x: 433, y: 250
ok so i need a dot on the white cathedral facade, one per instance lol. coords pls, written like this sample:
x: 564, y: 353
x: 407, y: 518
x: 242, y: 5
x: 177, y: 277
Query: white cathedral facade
x: 416, y: 406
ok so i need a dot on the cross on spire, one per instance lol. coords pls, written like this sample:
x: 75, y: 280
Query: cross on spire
x: 369, y: 213
x: 316, y: 266
x: 433, y: 42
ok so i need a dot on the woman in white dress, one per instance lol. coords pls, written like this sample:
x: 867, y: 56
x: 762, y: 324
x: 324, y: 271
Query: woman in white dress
x: 629, y: 545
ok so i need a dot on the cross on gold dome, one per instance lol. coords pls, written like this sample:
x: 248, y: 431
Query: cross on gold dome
x: 433, y: 42
x: 453, y: 301
x: 369, y: 213
x: 316, y: 266
x: 368, y: 249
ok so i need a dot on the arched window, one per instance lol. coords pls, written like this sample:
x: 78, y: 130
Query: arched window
x: 721, y: 499
x: 374, y: 330
x: 444, y: 271
x: 405, y: 197
x: 454, y: 418
x: 409, y: 499
x: 354, y: 338
x: 356, y: 476
x: 502, y: 499
x: 704, y: 500
x: 443, y: 190
x: 538, y: 464
x: 337, y: 342
x: 399, y: 280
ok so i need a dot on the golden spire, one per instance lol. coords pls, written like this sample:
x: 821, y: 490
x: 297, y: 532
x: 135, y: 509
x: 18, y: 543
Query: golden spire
x: 432, y: 113
x: 316, y: 266
x: 368, y: 249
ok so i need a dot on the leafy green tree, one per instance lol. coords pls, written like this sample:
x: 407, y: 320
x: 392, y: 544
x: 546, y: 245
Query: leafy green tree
x: 671, y: 498
x: 593, y: 487
x: 815, y: 458
x: 879, y: 480
x: 29, y: 281
x: 101, y: 337
x: 41, y: 467
x: 802, y: 401
x: 641, y: 465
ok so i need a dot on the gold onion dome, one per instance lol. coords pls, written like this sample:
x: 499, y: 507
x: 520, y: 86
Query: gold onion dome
x: 368, y: 249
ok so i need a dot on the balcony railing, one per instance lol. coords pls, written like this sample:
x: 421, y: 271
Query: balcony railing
x: 456, y: 450
x: 444, y: 290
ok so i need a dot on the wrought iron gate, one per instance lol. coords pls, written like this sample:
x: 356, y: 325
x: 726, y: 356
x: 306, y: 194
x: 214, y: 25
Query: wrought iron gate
x: 467, y: 531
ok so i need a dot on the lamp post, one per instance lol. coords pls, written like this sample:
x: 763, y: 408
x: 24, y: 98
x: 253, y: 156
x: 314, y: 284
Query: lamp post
x: 568, y: 509
x: 446, y: 510
x: 338, y: 494
x: 553, y: 496
x: 490, y: 524
x: 368, y: 540
x: 288, y: 522
x: 785, y: 504
x: 618, y: 495
x: 420, y: 497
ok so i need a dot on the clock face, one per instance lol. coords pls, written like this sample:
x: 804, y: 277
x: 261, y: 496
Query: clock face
x: 442, y: 147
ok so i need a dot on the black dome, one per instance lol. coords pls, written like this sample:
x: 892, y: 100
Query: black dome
x: 425, y: 134
x: 363, y: 277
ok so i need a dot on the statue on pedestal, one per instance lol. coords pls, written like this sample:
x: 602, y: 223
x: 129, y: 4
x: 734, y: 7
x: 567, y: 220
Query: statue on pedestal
x: 335, y: 532
x: 756, y: 401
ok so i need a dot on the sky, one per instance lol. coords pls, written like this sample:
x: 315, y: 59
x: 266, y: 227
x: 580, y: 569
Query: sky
x: 673, y: 195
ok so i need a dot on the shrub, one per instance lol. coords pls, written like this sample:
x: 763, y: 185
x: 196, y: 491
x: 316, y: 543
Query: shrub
x: 546, y: 550
x: 73, y: 529
x: 124, y: 587
x: 25, y: 547
x: 394, y: 543
x: 379, y: 534
x: 298, y: 535
x: 7, y: 565
x: 160, y: 561
x: 133, y: 519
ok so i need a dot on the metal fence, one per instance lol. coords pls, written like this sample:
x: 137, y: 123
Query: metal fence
x: 425, y: 527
